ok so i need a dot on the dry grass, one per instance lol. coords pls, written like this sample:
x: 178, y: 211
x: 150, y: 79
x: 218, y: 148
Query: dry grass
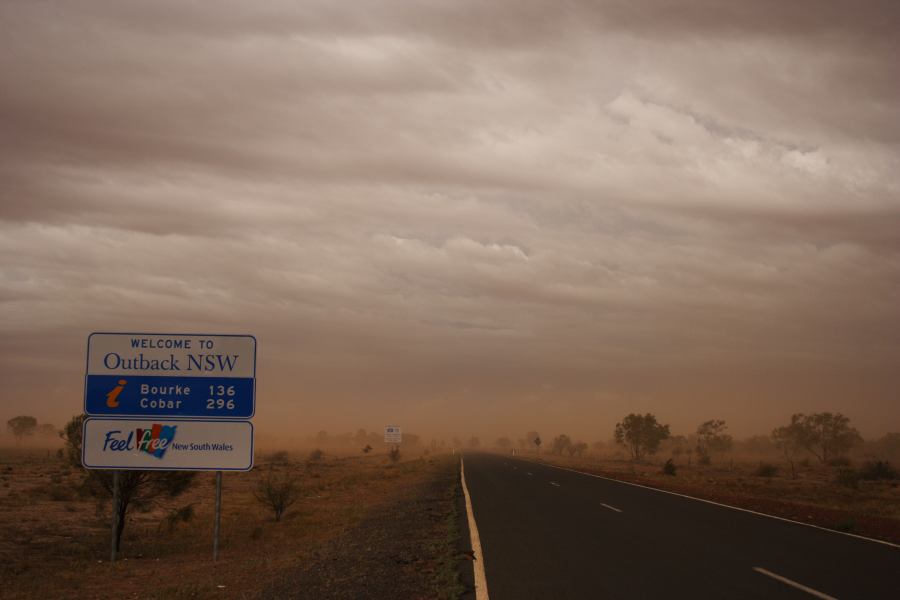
x: 55, y: 543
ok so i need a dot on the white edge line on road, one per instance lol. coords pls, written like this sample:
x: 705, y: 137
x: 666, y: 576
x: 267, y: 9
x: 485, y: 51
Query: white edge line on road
x: 618, y: 510
x: 554, y: 483
x: 746, y: 510
x: 794, y: 584
x: 481, y: 590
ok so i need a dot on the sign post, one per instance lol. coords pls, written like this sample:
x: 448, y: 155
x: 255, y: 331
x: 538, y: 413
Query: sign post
x: 114, y: 545
x: 218, y: 516
x: 169, y: 402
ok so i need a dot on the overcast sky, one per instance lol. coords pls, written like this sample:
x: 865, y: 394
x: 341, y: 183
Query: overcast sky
x: 463, y: 217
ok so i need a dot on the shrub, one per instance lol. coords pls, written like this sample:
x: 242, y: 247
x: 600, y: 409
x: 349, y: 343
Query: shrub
x: 277, y: 491
x: 877, y: 469
x: 766, y: 470
x: 180, y: 515
x: 281, y: 457
x: 848, y: 478
x: 838, y: 461
x: 315, y: 456
x: 61, y: 494
x: 669, y: 468
x: 394, y: 454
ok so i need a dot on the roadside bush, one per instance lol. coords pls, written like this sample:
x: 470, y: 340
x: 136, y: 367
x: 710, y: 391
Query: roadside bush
x: 315, y: 456
x: 877, y: 469
x: 848, y: 478
x: 838, y: 461
x: 59, y: 493
x: 277, y: 490
x: 281, y: 457
x: 766, y: 470
x: 394, y: 454
x: 180, y: 515
x: 669, y: 468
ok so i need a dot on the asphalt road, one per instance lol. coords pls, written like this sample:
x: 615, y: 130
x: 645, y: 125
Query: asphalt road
x: 549, y: 533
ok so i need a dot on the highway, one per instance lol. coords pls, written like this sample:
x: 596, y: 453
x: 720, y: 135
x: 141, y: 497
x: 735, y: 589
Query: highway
x: 551, y: 533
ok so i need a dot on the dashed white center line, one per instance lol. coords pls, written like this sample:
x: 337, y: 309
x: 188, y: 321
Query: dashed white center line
x: 610, y: 507
x: 554, y: 483
x: 794, y: 584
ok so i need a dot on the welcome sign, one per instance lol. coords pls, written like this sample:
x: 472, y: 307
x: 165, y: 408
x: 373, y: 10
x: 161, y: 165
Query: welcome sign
x: 167, y: 444
x: 182, y: 375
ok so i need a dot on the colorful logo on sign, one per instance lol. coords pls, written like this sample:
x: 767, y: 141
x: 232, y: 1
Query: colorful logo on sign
x: 154, y: 441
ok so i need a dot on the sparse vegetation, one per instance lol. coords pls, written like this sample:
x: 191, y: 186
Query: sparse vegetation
x: 394, y: 454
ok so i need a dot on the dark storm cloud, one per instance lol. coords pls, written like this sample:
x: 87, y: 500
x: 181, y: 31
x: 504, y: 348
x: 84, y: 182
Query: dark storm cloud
x: 449, y: 209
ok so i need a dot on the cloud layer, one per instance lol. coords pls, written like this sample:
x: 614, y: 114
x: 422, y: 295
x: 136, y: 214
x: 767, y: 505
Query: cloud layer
x: 465, y: 216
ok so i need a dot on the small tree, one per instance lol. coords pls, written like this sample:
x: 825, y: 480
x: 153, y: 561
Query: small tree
x: 711, y: 437
x: 827, y: 435
x: 474, y: 442
x: 537, y: 442
x: 560, y: 444
x: 278, y: 490
x: 136, y: 488
x: 790, y: 440
x: 503, y: 442
x: 577, y: 449
x: 640, y: 434
x: 21, y: 427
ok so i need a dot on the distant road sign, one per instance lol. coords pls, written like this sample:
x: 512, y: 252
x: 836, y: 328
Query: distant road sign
x: 167, y: 444
x: 392, y: 435
x: 182, y: 375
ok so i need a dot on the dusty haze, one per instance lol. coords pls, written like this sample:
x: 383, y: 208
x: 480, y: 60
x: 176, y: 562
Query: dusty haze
x: 462, y: 217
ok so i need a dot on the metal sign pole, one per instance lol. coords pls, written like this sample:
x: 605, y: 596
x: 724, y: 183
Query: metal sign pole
x: 218, y: 515
x: 115, y: 517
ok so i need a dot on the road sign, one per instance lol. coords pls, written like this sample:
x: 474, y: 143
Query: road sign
x: 183, y: 375
x: 392, y: 435
x: 167, y: 444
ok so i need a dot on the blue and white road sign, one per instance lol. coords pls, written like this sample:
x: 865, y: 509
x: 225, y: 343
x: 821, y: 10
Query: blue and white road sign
x: 173, y: 375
